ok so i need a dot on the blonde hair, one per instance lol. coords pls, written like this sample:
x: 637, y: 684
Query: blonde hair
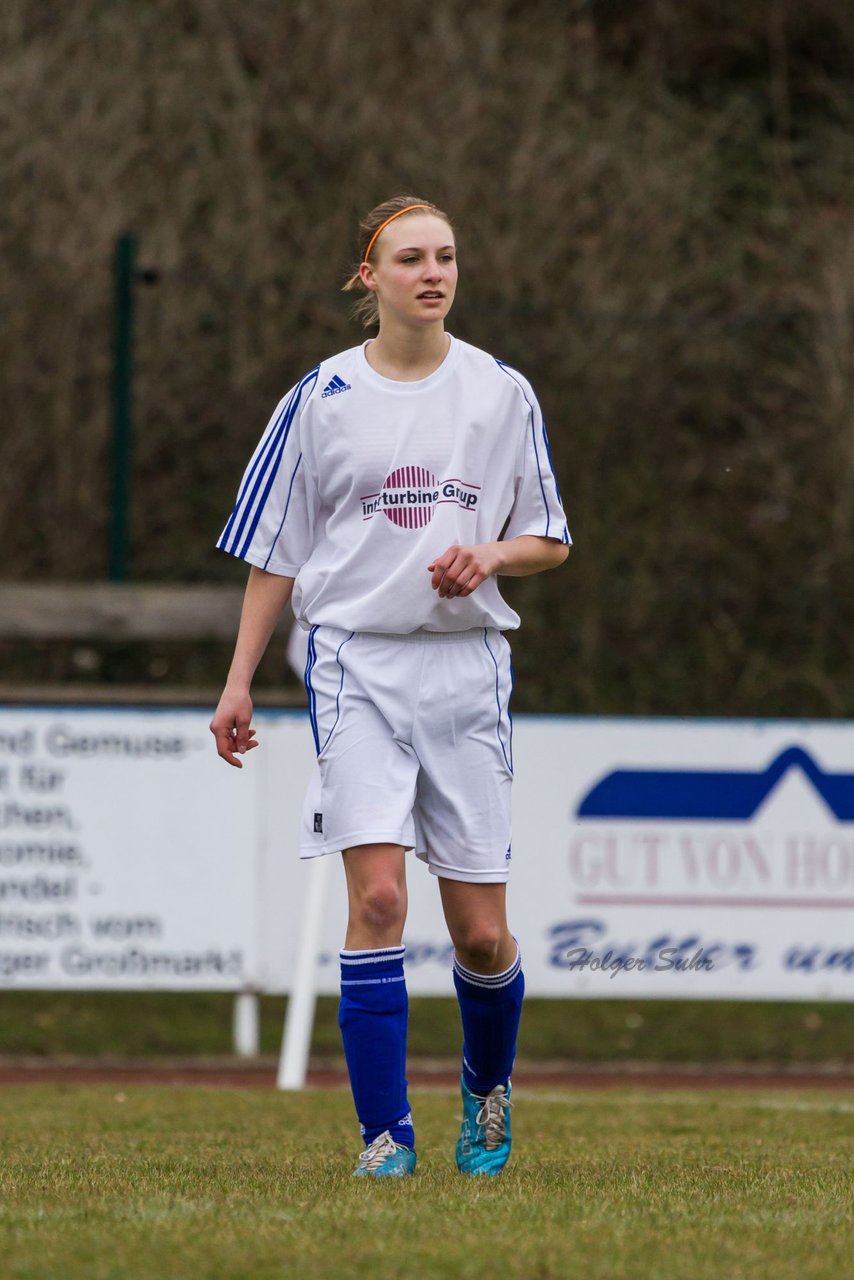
x: 366, y: 309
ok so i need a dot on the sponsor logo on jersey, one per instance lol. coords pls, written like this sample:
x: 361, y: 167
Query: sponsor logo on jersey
x: 334, y: 387
x: 410, y: 495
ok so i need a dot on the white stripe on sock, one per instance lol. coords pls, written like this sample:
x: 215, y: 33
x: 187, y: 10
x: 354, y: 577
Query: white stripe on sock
x: 374, y: 956
x: 490, y: 979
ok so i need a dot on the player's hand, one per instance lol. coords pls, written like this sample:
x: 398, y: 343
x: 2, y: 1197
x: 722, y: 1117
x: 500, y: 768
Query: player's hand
x: 231, y: 727
x: 461, y: 570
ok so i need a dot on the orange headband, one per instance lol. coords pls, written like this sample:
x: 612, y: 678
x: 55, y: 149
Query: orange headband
x: 383, y: 225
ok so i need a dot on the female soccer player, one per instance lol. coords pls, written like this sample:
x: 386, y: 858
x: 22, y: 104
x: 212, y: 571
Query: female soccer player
x: 392, y: 486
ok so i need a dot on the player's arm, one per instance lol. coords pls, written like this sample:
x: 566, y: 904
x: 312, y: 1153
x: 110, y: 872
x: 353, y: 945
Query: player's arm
x: 265, y: 598
x: 461, y: 570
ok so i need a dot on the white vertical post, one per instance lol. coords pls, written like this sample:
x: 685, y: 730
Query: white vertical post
x: 246, y: 1025
x: 299, y: 1019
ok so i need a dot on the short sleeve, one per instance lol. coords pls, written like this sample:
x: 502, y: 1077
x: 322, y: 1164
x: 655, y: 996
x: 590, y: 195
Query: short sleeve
x: 272, y: 524
x: 537, y: 507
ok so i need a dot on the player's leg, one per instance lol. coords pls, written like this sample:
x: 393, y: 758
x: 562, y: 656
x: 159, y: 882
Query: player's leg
x: 361, y: 802
x: 488, y: 979
x: 373, y: 1012
x: 462, y: 812
x: 490, y: 987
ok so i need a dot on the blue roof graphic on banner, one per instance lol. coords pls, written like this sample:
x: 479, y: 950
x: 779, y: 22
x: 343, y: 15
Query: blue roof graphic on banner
x: 709, y: 795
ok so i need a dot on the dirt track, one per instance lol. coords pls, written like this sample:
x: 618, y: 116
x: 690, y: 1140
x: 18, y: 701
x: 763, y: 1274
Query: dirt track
x: 230, y: 1073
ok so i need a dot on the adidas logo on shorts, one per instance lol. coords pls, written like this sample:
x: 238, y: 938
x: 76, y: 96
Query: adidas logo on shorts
x: 335, y: 387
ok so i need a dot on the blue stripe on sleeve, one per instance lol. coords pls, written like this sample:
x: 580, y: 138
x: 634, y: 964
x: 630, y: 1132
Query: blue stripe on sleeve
x: 263, y: 455
x: 511, y: 374
x: 266, y: 466
x: 565, y: 534
x: 284, y: 513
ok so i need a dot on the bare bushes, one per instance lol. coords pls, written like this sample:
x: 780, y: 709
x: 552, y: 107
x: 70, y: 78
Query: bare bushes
x: 660, y: 246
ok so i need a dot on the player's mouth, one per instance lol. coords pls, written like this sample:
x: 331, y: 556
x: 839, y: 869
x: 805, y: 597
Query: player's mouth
x: 431, y: 295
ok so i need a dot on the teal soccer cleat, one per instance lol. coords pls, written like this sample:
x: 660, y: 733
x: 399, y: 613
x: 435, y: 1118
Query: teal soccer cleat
x: 385, y: 1158
x: 485, y: 1139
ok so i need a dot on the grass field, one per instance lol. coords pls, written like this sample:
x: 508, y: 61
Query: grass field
x: 171, y: 1184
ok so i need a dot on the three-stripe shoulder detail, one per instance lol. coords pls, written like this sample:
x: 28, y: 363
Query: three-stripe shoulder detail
x: 255, y: 490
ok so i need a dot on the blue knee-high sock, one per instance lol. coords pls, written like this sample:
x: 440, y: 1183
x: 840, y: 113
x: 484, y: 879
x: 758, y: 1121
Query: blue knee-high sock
x: 490, y: 1009
x: 373, y: 1017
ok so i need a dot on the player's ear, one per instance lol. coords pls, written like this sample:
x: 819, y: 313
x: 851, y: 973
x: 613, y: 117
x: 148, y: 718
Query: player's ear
x: 366, y: 275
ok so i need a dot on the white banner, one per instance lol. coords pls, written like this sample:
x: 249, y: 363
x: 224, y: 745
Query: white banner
x: 687, y: 858
x: 651, y: 858
x: 126, y: 859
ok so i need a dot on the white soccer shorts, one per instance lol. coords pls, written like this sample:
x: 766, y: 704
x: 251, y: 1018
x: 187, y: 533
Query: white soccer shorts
x: 414, y: 747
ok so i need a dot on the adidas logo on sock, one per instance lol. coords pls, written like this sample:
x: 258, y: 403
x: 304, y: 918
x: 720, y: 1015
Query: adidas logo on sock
x: 335, y: 387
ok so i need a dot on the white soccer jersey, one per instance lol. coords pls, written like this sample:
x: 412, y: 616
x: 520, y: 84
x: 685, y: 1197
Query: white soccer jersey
x: 359, y: 482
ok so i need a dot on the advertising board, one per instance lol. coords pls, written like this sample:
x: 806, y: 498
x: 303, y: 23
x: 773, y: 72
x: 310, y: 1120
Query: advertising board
x: 650, y: 858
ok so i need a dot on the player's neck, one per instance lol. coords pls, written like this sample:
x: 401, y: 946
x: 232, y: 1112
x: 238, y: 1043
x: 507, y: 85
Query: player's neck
x: 405, y: 354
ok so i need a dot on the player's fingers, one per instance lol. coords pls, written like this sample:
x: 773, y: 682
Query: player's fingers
x: 224, y: 737
x: 450, y: 586
x: 439, y: 571
x: 457, y: 572
x: 242, y: 721
x: 471, y: 584
x: 440, y: 567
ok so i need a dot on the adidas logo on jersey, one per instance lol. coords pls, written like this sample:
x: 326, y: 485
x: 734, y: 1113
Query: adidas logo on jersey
x: 335, y: 387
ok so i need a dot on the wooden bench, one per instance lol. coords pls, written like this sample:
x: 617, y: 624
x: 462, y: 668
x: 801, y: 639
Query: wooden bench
x: 143, y: 611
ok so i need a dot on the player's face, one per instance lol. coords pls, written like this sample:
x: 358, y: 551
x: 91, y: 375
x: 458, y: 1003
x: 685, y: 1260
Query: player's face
x: 413, y: 270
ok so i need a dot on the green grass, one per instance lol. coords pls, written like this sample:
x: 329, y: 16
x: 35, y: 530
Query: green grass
x: 147, y: 1024
x: 166, y: 1184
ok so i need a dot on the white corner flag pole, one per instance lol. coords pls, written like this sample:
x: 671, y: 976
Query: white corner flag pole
x: 299, y: 1019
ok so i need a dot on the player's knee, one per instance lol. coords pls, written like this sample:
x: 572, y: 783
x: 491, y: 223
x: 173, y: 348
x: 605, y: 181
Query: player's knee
x: 380, y: 907
x: 479, y: 945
